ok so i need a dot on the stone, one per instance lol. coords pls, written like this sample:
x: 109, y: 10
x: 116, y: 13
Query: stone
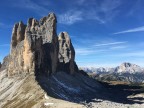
x: 0, y: 65
x: 35, y: 48
x: 66, y: 54
x: 17, y: 34
x: 15, y: 65
x: 5, y: 62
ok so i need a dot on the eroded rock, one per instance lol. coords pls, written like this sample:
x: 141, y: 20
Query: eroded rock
x: 35, y: 48
x: 66, y: 54
x: 0, y: 65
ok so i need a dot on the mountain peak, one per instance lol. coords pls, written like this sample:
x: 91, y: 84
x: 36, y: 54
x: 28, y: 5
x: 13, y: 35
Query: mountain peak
x: 127, y: 64
x: 35, y: 48
x: 128, y: 67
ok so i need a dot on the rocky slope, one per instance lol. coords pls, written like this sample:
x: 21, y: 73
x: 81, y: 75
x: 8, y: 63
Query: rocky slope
x: 61, y: 90
x: 26, y: 92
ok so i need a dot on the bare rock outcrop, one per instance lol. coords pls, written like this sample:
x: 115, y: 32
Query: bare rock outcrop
x: 17, y: 34
x: 35, y: 48
x: 5, y: 63
x: 0, y: 65
x: 66, y: 54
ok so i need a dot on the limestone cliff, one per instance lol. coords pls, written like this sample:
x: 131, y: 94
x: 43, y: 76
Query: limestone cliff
x: 66, y: 54
x: 0, y: 65
x: 35, y: 48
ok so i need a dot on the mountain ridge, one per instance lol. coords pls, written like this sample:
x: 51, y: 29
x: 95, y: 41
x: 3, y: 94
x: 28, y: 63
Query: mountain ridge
x: 126, y: 72
x: 125, y: 67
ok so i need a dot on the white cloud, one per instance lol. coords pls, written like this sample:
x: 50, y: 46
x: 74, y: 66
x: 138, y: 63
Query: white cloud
x: 29, y: 4
x: 97, y: 64
x: 138, y: 29
x: 118, y: 47
x: 83, y: 51
x: 110, y: 5
x: 112, y: 43
x: 4, y: 45
x: 80, y: 2
x: 94, y: 49
x: 87, y: 51
x: 113, y: 59
x: 2, y: 25
x: 131, y: 54
x: 106, y: 11
x: 101, y: 12
x: 70, y: 17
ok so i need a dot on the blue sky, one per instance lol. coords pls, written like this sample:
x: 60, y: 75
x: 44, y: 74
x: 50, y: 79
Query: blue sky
x: 103, y: 32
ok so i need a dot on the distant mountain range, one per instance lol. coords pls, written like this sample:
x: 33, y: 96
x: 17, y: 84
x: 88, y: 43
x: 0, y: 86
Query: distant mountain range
x: 123, y: 68
x: 127, y: 72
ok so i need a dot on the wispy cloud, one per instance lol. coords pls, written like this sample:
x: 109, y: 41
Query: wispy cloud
x: 88, y: 51
x: 93, y: 49
x: 101, y: 12
x: 112, y: 43
x: 131, y: 54
x: 80, y: 2
x: 70, y: 17
x: 138, y: 29
x: 29, y: 4
x: 118, y: 47
x: 3, y: 25
x: 4, y: 45
x: 105, y: 11
x: 97, y: 64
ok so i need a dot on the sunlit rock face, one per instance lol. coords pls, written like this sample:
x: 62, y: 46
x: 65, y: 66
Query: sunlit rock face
x: 35, y: 48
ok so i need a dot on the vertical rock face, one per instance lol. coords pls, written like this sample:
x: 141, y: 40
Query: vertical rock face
x: 17, y: 34
x: 5, y: 62
x: 16, y: 58
x: 66, y: 54
x: 35, y: 48
x: 0, y: 65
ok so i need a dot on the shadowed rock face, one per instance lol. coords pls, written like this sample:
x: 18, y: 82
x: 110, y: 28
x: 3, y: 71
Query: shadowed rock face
x: 5, y: 62
x: 35, y: 48
x: 66, y: 54
x: 0, y: 64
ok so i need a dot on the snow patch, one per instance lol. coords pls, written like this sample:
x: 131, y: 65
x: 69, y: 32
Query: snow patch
x: 48, y: 104
x: 46, y: 96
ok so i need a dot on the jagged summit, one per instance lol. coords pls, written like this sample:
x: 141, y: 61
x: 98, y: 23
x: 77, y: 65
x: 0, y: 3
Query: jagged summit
x: 35, y: 47
x: 124, y: 67
x: 127, y: 64
x: 128, y: 67
x: 0, y: 64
